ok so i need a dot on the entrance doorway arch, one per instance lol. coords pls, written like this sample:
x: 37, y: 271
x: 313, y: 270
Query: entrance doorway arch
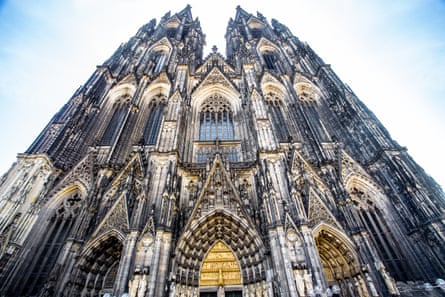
x: 340, y: 262
x: 196, y: 244
x: 96, y: 270
x: 220, y: 273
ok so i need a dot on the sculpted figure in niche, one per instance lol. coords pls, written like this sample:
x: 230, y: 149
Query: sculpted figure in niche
x: 300, y: 281
x: 389, y: 281
x: 142, y: 286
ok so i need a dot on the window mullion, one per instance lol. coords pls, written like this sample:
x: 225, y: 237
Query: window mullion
x: 213, y: 124
x: 208, y: 125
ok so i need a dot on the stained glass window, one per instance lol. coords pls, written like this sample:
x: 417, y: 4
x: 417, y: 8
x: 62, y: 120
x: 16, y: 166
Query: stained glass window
x: 270, y: 59
x: 216, y: 119
x: 277, y: 117
x: 153, y: 123
x: 117, y: 121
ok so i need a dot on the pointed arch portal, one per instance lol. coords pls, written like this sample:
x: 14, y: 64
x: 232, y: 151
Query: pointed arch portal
x: 219, y: 251
x: 339, y: 259
x: 98, y: 266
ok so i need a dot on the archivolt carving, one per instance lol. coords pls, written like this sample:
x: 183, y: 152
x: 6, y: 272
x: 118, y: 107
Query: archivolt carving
x: 364, y: 191
x: 220, y: 226
x: 121, y: 93
x: 98, y: 256
x: 337, y: 253
x: 270, y: 84
x: 306, y: 92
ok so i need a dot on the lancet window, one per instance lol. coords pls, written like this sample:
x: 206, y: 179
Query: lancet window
x: 270, y: 60
x: 159, y: 59
x: 373, y: 220
x: 277, y: 117
x: 117, y: 121
x: 381, y: 235
x: 216, y: 119
x: 48, y: 249
x: 154, y: 120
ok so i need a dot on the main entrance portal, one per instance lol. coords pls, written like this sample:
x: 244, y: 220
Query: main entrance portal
x: 220, y: 273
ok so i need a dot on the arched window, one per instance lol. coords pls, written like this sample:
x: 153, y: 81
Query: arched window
x: 153, y: 125
x: 216, y: 119
x: 381, y: 234
x: 384, y: 241
x: 39, y: 267
x: 159, y: 58
x: 276, y: 113
x: 116, y: 122
x: 270, y: 59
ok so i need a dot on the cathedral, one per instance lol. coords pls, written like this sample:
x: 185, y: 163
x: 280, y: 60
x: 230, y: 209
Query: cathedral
x: 258, y: 173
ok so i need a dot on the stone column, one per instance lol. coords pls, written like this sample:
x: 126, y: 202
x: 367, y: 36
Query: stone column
x: 163, y: 263
x: 280, y: 268
x: 152, y: 285
x: 120, y: 284
x: 313, y: 259
x: 286, y: 265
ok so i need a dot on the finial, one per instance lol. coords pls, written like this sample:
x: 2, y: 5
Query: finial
x: 214, y: 49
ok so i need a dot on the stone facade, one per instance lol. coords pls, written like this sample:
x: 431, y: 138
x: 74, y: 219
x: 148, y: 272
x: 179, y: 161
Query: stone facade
x: 256, y: 174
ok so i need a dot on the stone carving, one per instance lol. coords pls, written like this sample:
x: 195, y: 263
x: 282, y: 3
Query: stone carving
x: 389, y: 281
x: 215, y: 77
x: 306, y: 92
x: 117, y: 217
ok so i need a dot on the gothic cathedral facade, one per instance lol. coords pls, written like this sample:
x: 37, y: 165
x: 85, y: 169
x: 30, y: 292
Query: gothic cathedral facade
x: 255, y: 174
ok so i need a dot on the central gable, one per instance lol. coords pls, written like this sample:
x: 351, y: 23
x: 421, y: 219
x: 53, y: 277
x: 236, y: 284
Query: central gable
x: 215, y: 60
x: 216, y: 82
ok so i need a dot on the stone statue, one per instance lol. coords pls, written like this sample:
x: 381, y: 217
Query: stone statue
x: 142, y: 286
x: 389, y: 281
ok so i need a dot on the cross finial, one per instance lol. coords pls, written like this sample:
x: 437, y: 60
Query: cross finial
x: 214, y: 49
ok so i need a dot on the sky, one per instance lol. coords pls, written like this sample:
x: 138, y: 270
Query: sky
x: 391, y: 53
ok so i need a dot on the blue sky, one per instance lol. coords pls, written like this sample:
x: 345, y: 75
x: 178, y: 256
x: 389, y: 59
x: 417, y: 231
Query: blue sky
x: 391, y: 53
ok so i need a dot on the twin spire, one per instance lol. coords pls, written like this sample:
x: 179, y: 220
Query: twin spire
x: 242, y: 17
